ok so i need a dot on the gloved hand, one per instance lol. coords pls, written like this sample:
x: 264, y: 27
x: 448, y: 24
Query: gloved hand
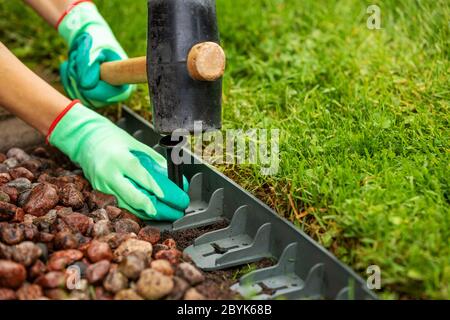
x: 91, y: 43
x: 115, y: 163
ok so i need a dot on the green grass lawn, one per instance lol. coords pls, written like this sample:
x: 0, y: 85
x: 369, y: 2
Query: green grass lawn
x: 363, y: 114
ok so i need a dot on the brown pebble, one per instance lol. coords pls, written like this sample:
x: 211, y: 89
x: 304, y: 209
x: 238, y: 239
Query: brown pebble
x: 128, y: 294
x: 154, y: 285
x: 61, y: 259
x: 12, y: 274
x: 37, y: 269
x: 162, y: 266
x: 43, y: 197
x: 102, y: 228
x: 193, y: 294
x: 114, y: 240
x: 172, y: 255
x: 11, y: 234
x: 78, y: 222
x: 70, y: 196
x: 46, y: 237
x: 96, y: 272
x: 190, y: 273
x: 99, y: 251
x: 57, y: 294
x: 150, y: 234
x: 132, y: 265
x: 10, y: 212
x: 99, y: 200
x: 126, y: 226
x: 65, y: 240
x: 29, y: 292
x: 115, y: 281
x: 21, y: 172
x: 52, y: 279
x: 7, y: 294
x: 134, y: 245
x: 12, y: 193
x: 170, y: 243
x: 179, y: 288
x: 113, y: 212
x: 26, y: 253
x: 4, y: 178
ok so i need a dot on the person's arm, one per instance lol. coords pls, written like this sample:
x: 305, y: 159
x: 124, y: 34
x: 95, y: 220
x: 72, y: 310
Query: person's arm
x: 91, y: 42
x: 26, y: 95
x: 50, y: 10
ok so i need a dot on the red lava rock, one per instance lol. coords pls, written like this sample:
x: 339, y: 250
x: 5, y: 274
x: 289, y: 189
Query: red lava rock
x: 10, y: 212
x: 70, y: 196
x: 150, y: 234
x: 102, y: 228
x: 134, y: 246
x: 46, y: 221
x: 190, y: 273
x: 18, y: 154
x: 4, y: 197
x: 46, y: 237
x: 33, y: 165
x: 5, y: 251
x: 65, y: 240
x: 132, y: 265
x: 99, y: 251
x: 180, y: 286
x: 30, y: 231
x: 115, y: 281
x: 170, y: 243
x: 7, y: 294
x: 98, y: 215
x: 41, y: 152
x: 96, y: 272
x: 43, y: 197
x: 60, y: 259
x: 26, y: 253
x: 11, y: 234
x: 78, y: 222
x: 5, y: 178
x: 12, y: 192
x: 57, y: 294
x: 21, y: 172
x: 51, y: 280
x: 114, y: 240
x: 29, y: 292
x: 99, y: 200
x: 172, y: 255
x: 102, y: 294
x: 2, y: 157
x: 159, y: 247
x: 37, y: 269
x: 128, y: 215
x: 113, y: 212
x: 162, y: 266
x: 12, y: 274
x: 126, y: 226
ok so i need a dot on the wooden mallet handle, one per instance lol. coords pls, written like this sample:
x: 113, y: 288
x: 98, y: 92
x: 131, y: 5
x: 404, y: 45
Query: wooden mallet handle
x: 205, y: 62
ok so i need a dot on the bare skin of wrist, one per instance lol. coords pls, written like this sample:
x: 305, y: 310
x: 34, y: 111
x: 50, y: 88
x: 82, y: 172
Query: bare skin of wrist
x: 50, y: 10
x: 26, y: 95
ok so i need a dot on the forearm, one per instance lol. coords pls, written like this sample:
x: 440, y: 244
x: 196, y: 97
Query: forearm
x: 26, y: 95
x: 50, y: 10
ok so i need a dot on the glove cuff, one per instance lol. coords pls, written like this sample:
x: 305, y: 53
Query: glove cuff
x: 77, y: 16
x: 58, y: 118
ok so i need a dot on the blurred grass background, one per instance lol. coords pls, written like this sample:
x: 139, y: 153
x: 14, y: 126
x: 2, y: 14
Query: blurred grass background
x: 363, y: 114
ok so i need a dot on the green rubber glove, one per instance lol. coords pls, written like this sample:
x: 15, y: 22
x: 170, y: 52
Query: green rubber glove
x: 116, y: 163
x: 91, y: 43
